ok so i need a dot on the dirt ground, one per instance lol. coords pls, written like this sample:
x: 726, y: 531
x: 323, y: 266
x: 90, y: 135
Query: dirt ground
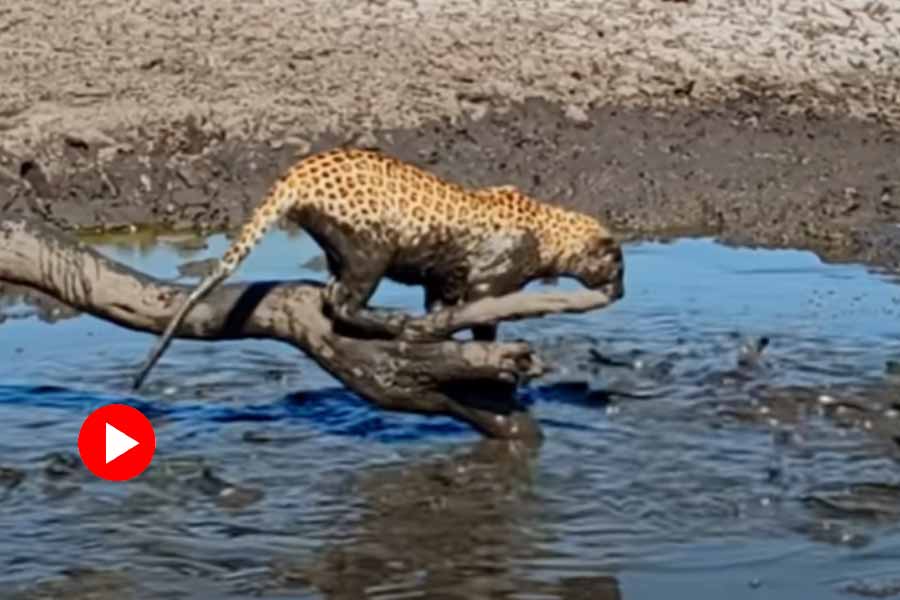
x: 763, y: 124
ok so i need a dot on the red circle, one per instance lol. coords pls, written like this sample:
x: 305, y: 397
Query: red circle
x: 129, y: 435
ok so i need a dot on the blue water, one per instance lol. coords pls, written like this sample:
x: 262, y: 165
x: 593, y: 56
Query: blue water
x: 646, y: 478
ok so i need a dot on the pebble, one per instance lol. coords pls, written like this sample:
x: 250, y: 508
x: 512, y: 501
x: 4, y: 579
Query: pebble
x: 10, y: 478
x: 61, y: 464
x: 751, y: 351
x: 576, y: 114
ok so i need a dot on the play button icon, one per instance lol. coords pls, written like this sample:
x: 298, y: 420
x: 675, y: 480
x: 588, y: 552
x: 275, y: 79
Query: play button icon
x: 116, y: 442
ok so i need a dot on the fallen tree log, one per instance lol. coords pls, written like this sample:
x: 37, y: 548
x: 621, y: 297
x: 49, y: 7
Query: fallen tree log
x: 425, y: 372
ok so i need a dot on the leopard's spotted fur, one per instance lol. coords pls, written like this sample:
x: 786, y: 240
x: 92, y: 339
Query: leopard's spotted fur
x: 376, y: 216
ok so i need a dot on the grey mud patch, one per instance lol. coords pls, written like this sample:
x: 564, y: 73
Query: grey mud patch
x: 744, y: 171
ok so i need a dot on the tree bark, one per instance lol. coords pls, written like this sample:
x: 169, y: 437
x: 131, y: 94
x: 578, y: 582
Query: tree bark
x: 423, y: 372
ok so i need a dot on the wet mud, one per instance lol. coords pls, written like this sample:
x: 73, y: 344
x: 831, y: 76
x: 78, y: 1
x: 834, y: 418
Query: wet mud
x: 743, y: 172
x: 763, y: 124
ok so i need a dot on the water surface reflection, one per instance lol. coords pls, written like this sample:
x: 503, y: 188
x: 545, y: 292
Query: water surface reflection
x: 682, y: 455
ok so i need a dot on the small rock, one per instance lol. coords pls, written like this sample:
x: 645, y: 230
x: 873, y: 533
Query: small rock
x: 76, y: 142
x: 209, y: 483
x: 10, y: 478
x: 152, y: 63
x: 238, y: 497
x: 34, y: 174
x: 577, y: 114
x: 826, y: 400
x: 226, y: 494
x: 367, y: 140
x: 61, y: 464
x: 107, y: 153
x: 751, y: 351
x: 300, y: 145
x: 87, y: 137
x: 256, y: 437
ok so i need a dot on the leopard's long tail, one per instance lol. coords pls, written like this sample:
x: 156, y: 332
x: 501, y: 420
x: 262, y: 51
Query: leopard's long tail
x: 282, y: 198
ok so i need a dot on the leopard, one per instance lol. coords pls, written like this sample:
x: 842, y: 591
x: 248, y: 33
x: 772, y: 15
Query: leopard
x: 375, y: 216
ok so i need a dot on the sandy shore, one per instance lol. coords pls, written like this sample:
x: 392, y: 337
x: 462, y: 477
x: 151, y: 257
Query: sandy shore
x: 763, y: 123
x: 278, y: 68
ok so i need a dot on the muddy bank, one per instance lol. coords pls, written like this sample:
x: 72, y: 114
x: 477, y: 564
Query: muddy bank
x: 296, y: 69
x: 744, y: 171
x: 764, y: 124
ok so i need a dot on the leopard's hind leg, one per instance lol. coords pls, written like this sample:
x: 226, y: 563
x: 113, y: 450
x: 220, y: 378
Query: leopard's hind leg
x: 357, y: 266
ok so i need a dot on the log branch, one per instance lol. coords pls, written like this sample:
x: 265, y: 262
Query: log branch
x: 511, y: 307
x: 424, y: 373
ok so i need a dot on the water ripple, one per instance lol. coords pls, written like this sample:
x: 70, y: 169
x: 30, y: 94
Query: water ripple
x: 676, y: 449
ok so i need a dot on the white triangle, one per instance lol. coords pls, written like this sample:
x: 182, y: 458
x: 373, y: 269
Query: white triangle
x: 117, y: 443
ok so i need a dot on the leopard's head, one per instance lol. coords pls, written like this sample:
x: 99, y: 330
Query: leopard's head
x: 598, y: 264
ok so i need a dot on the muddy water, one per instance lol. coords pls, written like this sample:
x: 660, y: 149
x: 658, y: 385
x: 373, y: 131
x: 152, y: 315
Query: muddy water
x: 680, y: 458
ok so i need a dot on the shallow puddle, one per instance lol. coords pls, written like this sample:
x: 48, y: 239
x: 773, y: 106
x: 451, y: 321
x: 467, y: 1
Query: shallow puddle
x: 679, y: 456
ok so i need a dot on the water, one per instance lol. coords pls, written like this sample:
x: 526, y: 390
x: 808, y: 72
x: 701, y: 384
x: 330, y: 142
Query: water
x: 668, y: 468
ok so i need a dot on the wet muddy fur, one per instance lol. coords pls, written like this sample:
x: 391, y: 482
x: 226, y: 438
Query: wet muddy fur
x: 375, y: 216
